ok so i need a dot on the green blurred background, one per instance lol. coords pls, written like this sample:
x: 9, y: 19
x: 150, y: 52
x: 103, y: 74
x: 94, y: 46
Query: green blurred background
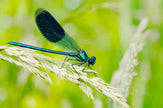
x: 103, y: 31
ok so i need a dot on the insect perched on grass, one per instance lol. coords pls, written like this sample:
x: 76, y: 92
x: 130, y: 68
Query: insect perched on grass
x: 53, y: 32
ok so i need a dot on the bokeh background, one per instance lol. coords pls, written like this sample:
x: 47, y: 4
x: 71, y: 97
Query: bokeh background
x: 104, y: 29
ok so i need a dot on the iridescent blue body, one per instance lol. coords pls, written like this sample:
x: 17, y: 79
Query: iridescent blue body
x: 53, y: 32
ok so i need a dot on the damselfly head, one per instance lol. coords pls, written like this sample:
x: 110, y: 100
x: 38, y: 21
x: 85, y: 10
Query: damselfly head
x: 92, y: 60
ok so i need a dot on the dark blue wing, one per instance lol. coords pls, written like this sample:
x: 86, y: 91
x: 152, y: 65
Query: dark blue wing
x: 53, y: 32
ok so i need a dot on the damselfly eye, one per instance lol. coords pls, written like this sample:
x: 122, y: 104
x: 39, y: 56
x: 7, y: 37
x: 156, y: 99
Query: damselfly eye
x: 92, y: 60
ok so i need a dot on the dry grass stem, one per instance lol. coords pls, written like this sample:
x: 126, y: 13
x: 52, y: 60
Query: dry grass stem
x: 123, y: 77
x: 84, y: 9
x: 40, y: 65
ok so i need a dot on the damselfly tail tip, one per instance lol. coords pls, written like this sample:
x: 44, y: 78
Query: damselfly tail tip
x: 11, y: 43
